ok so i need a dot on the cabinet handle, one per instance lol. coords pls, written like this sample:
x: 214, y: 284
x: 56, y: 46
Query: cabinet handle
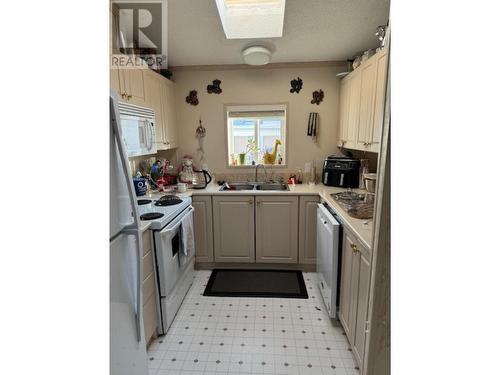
x: 129, y: 96
x: 124, y: 95
x: 258, y: 203
x: 354, y: 248
x: 250, y: 202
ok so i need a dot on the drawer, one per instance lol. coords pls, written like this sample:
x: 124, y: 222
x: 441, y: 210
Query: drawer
x: 147, y: 265
x: 150, y: 318
x: 146, y: 242
x: 148, y: 288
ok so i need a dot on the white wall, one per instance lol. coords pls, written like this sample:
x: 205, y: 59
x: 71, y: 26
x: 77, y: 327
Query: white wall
x: 259, y: 86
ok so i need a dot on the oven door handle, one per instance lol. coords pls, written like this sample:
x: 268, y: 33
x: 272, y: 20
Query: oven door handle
x: 176, y: 222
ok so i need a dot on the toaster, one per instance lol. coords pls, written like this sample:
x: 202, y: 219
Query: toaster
x: 341, y: 171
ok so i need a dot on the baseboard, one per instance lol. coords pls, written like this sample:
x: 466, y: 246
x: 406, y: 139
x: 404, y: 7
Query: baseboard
x: 262, y: 266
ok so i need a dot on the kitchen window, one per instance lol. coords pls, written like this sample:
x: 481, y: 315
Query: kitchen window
x: 256, y: 134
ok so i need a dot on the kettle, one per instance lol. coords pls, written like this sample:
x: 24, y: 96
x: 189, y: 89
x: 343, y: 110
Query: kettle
x: 201, y: 179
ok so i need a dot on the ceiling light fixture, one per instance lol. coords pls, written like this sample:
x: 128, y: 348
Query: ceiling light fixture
x: 256, y: 55
x: 248, y: 19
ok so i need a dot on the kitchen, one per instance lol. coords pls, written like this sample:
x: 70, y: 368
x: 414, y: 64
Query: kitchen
x: 255, y: 184
x: 292, y: 187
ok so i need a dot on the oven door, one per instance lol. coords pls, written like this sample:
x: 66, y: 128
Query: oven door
x: 168, y: 253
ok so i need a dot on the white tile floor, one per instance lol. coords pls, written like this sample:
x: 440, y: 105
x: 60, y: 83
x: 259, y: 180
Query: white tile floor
x: 214, y: 335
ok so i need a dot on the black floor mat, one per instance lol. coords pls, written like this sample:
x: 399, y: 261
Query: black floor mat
x: 256, y: 283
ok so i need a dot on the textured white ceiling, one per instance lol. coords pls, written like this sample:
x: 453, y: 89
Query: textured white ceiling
x: 314, y: 30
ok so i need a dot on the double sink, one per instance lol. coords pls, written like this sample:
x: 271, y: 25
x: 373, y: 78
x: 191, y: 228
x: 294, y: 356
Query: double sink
x: 267, y: 186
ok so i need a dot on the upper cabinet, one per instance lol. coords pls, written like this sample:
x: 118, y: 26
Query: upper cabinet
x: 169, y: 112
x: 361, y: 106
x: 145, y: 87
x: 153, y: 94
x: 160, y: 96
x: 129, y: 84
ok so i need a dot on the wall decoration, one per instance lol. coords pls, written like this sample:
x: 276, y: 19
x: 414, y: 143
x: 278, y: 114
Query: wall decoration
x: 318, y: 96
x: 192, y: 98
x: 200, y: 133
x: 296, y: 85
x: 214, y: 88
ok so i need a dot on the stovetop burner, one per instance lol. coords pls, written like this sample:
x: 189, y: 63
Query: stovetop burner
x: 168, y: 200
x: 151, y: 216
x: 141, y: 202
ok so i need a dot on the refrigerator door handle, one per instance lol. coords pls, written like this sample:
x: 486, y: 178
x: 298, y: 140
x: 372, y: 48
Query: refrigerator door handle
x: 124, y: 161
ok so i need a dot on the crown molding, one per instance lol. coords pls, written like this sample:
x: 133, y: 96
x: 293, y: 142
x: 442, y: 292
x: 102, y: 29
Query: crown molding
x: 305, y: 64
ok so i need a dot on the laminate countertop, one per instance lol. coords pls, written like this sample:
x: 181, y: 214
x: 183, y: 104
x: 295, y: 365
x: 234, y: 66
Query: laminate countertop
x: 361, y: 228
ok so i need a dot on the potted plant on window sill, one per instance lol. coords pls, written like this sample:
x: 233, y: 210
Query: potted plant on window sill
x: 251, y: 147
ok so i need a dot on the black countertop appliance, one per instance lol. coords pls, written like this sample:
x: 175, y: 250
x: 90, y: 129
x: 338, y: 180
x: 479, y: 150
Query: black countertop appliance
x: 341, y: 171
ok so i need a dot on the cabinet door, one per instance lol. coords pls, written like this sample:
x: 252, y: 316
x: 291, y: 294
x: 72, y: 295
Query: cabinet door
x: 234, y: 231
x: 203, y: 230
x: 367, y: 74
x: 348, y: 286
x: 152, y: 86
x: 344, y: 110
x: 276, y: 229
x: 134, y: 84
x: 353, y: 111
x: 379, y: 101
x: 359, y: 337
x: 169, y: 113
x: 307, y: 229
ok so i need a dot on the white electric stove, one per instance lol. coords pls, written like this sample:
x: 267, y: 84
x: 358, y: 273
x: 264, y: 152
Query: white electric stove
x: 163, y: 210
x: 174, y: 270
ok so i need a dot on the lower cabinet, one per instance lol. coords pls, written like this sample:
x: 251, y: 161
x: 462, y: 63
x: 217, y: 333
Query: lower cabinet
x: 276, y: 224
x: 354, y: 289
x: 255, y: 228
x: 308, y: 204
x: 234, y: 229
x: 203, y: 228
x: 148, y: 288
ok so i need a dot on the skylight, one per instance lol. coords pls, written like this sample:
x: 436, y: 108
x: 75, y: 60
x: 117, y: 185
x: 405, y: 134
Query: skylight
x: 249, y: 19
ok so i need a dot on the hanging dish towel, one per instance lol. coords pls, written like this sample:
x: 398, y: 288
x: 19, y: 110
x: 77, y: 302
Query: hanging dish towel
x: 187, y: 238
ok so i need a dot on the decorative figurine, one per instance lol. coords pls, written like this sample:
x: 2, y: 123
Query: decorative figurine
x: 192, y: 98
x: 317, y: 97
x: 214, y: 88
x: 186, y: 173
x: 296, y: 85
x: 270, y: 158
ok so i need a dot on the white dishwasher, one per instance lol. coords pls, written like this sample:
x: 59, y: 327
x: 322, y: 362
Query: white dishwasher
x: 327, y: 255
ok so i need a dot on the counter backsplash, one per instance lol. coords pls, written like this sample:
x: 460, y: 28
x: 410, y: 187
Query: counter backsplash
x: 250, y: 176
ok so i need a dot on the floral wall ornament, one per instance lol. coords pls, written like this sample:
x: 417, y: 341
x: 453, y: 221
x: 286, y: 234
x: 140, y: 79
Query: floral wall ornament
x: 318, y: 96
x: 192, y: 98
x: 296, y: 85
x: 214, y: 88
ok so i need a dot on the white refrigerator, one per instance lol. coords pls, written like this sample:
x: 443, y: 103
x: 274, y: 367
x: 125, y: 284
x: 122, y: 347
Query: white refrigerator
x: 127, y: 345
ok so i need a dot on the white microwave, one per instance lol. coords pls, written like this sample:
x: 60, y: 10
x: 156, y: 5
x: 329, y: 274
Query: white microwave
x: 138, y: 129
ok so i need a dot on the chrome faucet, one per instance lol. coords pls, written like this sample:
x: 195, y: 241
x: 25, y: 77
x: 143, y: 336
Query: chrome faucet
x: 257, y: 169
